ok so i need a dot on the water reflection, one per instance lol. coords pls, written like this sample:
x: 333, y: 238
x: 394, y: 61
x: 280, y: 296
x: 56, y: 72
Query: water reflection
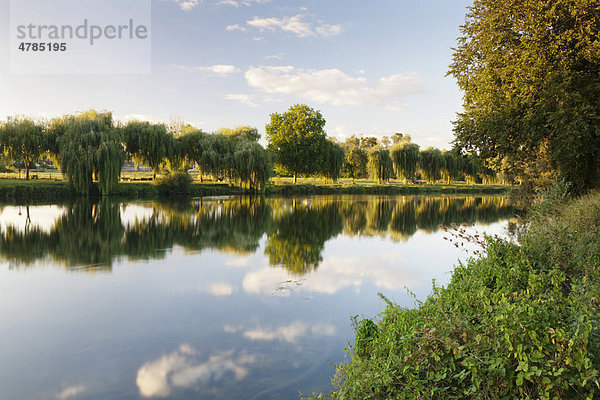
x: 91, y: 236
x: 182, y: 369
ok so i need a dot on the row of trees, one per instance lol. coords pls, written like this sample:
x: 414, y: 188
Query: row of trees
x: 90, y: 146
x: 301, y: 147
x: 404, y: 160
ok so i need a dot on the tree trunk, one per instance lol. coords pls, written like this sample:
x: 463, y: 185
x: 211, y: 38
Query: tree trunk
x: 295, y: 178
x: 26, y: 172
x: 153, y: 175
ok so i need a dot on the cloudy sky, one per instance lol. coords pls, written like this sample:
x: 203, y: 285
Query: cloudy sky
x: 371, y: 67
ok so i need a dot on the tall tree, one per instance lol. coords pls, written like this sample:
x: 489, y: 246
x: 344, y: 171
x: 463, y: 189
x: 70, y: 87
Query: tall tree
x: 356, y: 159
x: 333, y: 161
x: 451, y: 166
x: 297, y: 138
x: 380, y: 164
x: 24, y: 139
x: 405, y: 156
x: 192, y: 145
x: 530, y: 72
x: 90, y: 146
x: 148, y: 144
x: 431, y: 164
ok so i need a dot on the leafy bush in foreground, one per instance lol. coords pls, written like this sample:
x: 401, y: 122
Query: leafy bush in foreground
x: 521, y: 323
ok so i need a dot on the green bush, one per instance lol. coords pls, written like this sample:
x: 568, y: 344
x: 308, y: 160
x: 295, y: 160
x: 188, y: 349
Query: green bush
x: 523, y: 322
x: 176, y: 184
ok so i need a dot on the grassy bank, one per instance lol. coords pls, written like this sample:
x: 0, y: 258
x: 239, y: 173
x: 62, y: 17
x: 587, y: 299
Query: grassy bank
x: 49, y: 190
x: 523, y: 322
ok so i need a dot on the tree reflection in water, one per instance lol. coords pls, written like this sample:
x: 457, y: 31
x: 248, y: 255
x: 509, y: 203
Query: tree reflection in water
x: 93, y: 235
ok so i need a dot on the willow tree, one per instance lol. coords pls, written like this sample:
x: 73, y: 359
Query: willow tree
x: 23, y: 138
x: 451, y: 170
x: 471, y: 168
x: 217, y: 156
x: 244, y: 131
x: 431, y: 164
x: 251, y: 164
x: 148, y: 144
x: 333, y: 161
x: 405, y: 156
x: 192, y: 145
x: 381, y: 166
x: 90, y: 146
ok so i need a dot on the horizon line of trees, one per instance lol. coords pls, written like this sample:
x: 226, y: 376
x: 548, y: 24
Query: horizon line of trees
x: 90, y: 146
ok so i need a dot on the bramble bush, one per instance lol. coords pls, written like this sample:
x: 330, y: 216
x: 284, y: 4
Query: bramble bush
x: 523, y: 322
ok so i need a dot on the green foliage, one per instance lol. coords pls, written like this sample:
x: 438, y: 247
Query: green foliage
x: 530, y: 72
x: 175, y: 184
x: 298, y: 140
x: 23, y: 139
x: 243, y: 131
x: 405, y: 156
x: 333, y: 161
x: 356, y: 159
x: 365, y: 333
x: 452, y: 166
x: 431, y: 164
x: 251, y: 164
x: 380, y: 164
x: 89, y: 146
x: 148, y: 144
x: 523, y: 322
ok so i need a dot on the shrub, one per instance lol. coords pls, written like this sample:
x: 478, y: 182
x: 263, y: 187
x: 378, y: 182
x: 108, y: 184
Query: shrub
x: 503, y: 328
x: 176, y: 184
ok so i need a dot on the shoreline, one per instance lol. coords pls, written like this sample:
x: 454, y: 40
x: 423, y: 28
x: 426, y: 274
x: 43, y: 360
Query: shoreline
x: 40, y: 190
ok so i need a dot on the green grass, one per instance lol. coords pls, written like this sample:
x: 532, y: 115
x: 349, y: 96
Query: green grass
x: 50, y: 186
x: 522, y: 322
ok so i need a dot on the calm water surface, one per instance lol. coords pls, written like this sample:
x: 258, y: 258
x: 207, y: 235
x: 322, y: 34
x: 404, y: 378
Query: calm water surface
x: 220, y: 298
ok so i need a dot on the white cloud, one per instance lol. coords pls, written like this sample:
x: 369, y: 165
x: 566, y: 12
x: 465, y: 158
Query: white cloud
x: 337, y: 273
x: 277, y: 56
x: 295, y: 24
x: 334, y: 86
x: 235, y: 27
x: 181, y: 369
x: 187, y: 5
x: 238, y: 3
x: 220, y: 70
x: 220, y: 289
x: 242, y: 98
x: 70, y: 392
x: 287, y: 333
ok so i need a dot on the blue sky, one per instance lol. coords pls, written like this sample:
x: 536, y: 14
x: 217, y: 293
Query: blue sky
x: 372, y: 67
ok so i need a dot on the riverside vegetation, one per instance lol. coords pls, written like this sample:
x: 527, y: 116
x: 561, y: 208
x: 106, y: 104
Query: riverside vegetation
x: 521, y: 322
x: 90, y: 148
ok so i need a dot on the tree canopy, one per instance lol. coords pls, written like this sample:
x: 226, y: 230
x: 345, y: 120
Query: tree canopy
x: 530, y: 73
x: 90, y: 145
x: 23, y: 138
x: 298, y: 139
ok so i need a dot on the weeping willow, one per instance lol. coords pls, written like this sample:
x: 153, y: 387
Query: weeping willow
x: 380, y: 164
x: 148, y: 144
x: 333, y: 161
x: 471, y: 168
x: 89, y: 147
x: 431, y: 164
x: 405, y: 156
x: 451, y: 167
x: 252, y: 164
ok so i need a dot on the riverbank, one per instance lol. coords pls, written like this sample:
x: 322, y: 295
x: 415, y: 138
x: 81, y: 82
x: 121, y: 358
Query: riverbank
x: 522, y: 322
x: 47, y: 190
